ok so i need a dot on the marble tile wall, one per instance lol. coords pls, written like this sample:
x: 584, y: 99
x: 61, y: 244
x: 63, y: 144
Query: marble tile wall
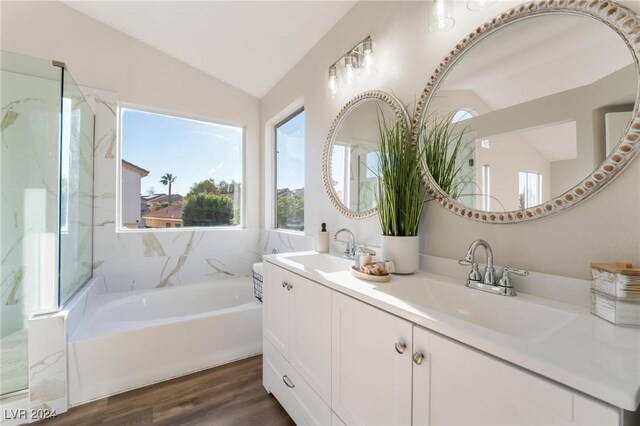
x: 285, y: 242
x: 135, y: 260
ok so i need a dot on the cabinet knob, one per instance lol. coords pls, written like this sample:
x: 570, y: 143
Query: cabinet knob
x: 289, y: 286
x: 287, y: 381
x: 401, y: 347
x: 284, y: 284
x: 418, y: 358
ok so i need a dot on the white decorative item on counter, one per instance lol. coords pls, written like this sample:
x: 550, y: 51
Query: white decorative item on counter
x: 615, y: 293
x: 404, y: 252
x: 322, y: 240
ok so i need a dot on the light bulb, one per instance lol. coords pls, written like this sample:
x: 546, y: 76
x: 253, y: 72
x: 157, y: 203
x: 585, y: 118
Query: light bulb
x: 332, y: 84
x: 441, y: 20
x: 349, y: 70
x: 477, y: 5
x: 367, y: 56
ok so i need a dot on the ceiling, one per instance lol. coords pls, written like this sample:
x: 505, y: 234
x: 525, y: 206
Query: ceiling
x: 248, y: 44
x: 556, y: 142
x: 537, y: 57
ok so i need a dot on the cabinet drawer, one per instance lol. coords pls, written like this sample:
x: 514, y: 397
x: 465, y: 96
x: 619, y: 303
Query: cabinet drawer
x: 301, y: 402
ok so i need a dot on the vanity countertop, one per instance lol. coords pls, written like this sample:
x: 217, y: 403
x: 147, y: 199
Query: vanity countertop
x: 557, y: 340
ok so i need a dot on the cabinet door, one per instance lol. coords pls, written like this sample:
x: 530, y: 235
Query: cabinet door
x: 276, y: 311
x: 311, y: 333
x: 466, y: 386
x: 421, y: 379
x: 371, y: 377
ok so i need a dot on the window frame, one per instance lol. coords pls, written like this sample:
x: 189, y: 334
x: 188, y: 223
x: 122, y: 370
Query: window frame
x: 121, y: 108
x: 274, y: 150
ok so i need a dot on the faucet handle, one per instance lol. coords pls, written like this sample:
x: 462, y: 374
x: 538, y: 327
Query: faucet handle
x: 505, y: 281
x: 475, y: 274
x: 364, y: 249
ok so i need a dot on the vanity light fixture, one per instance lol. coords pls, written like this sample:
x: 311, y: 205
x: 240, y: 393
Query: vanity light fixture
x: 477, y: 5
x: 350, y: 66
x: 441, y: 20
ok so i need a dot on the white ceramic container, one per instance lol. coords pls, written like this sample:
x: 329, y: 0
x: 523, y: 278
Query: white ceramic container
x: 404, y: 252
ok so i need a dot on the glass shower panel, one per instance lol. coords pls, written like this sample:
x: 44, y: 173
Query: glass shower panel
x: 29, y: 151
x: 76, y: 189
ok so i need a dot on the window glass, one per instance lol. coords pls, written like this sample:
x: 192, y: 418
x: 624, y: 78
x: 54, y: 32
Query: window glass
x: 530, y: 189
x: 289, y: 138
x: 461, y: 115
x: 178, y: 172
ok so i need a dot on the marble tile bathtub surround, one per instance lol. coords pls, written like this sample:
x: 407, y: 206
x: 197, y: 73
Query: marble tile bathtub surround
x: 48, y: 362
x: 77, y: 306
x: 133, y: 260
x: 285, y: 242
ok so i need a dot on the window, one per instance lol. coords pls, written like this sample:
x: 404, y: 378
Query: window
x: 530, y: 185
x: 289, y: 173
x: 461, y: 115
x: 339, y: 172
x: 178, y: 172
x: 486, y: 187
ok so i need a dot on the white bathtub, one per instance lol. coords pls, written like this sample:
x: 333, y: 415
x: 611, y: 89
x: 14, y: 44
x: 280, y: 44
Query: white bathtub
x: 129, y: 340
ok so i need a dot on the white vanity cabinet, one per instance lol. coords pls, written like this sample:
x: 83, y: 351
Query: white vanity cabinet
x: 297, y: 344
x: 330, y: 358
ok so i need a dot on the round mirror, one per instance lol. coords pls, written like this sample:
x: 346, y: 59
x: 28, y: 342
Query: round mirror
x: 350, y: 160
x: 533, y: 112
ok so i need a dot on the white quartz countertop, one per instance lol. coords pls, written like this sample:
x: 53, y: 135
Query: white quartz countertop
x: 557, y: 340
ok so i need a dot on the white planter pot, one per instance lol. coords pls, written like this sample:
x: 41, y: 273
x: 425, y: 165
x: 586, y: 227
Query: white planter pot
x: 404, y: 252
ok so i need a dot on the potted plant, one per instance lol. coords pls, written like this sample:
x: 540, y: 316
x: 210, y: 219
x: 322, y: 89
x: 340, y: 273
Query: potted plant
x: 401, y: 195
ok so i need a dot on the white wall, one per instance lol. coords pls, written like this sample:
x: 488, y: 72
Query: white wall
x: 603, y: 228
x: 131, y: 72
x: 563, y: 176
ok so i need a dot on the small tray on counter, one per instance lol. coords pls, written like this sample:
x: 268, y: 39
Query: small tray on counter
x: 374, y: 278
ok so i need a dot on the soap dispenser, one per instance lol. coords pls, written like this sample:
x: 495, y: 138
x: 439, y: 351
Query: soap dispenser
x: 322, y: 240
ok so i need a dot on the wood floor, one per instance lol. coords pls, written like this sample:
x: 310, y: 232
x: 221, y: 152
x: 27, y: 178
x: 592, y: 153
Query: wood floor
x: 228, y: 395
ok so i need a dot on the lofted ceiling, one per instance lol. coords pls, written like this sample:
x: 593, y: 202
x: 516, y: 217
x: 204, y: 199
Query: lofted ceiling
x: 537, y: 57
x: 248, y: 44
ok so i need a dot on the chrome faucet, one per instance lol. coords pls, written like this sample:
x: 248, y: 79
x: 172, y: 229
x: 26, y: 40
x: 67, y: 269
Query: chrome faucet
x: 488, y: 283
x: 349, y: 246
x: 489, y: 271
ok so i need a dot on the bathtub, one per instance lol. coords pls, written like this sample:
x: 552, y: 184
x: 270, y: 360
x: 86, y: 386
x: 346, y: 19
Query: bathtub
x: 129, y: 340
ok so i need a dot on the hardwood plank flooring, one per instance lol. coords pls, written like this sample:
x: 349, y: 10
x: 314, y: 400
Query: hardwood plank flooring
x: 231, y: 394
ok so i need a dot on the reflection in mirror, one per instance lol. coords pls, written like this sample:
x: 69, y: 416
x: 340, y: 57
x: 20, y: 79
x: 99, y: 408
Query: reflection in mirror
x: 353, y: 154
x: 541, y: 103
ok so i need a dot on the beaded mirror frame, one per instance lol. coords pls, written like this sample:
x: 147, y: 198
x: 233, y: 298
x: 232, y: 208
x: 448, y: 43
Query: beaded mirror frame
x: 619, y: 18
x: 400, y: 113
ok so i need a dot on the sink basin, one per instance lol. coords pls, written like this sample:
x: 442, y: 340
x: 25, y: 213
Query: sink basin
x: 513, y: 316
x: 322, y: 262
